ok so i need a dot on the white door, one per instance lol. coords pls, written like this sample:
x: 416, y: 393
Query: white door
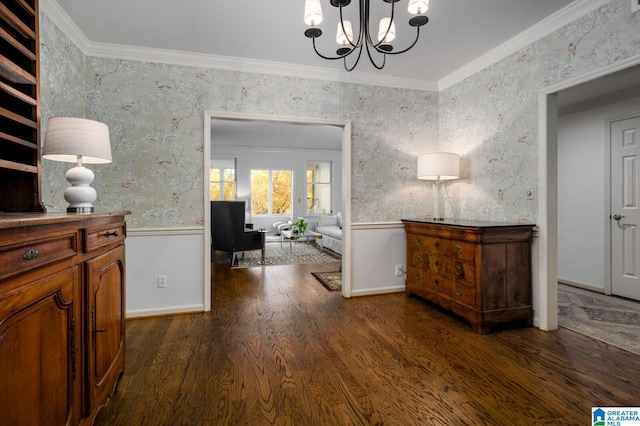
x: 625, y: 214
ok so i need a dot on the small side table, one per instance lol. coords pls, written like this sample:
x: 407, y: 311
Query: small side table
x: 263, y: 237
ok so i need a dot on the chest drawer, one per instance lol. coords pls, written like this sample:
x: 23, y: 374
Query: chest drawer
x: 97, y: 237
x: 451, y: 268
x: 464, y: 293
x: 31, y: 252
x: 443, y: 247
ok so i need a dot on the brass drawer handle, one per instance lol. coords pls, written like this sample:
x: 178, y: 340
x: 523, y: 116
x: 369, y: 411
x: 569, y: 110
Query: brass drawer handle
x: 30, y: 254
x: 437, y: 244
x: 458, y: 249
x: 459, y: 269
x: 418, y: 258
x: 458, y: 290
x: 111, y: 234
x: 418, y: 275
x: 436, y: 263
x: 436, y: 282
x: 418, y: 241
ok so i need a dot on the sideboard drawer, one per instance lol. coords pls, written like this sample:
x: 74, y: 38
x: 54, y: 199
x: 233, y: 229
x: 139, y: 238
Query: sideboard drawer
x: 22, y: 256
x: 102, y: 236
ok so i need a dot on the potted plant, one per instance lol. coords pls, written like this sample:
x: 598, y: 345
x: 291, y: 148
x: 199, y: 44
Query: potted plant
x: 300, y: 225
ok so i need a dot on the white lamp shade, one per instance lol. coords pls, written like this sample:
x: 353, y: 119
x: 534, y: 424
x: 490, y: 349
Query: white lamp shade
x: 439, y: 166
x: 382, y: 30
x: 66, y: 138
x: 418, y: 7
x: 312, y: 13
x: 342, y: 38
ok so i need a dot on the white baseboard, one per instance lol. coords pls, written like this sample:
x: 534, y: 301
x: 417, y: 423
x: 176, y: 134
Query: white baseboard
x: 376, y: 291
x: 580, y: 285
x: 140, y: 313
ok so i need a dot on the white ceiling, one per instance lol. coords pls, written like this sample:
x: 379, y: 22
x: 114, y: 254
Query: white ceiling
x: 459, y: 31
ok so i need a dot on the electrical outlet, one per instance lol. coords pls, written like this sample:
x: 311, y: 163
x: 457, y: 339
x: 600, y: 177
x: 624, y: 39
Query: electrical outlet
x: 635, y: 6
x: 399, y: 270
x: 162, y: 281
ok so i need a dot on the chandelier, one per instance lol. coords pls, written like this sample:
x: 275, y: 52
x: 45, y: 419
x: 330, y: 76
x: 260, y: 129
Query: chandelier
x: 344, y: 37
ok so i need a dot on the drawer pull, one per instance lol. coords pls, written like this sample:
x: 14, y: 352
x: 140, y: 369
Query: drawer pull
x: 436, y: 282
x: 459, y: 269
x: 458, y: 290
x: 111, y: 234
x: 437, y: 244
x: 458, y: 249
x: 419, y: 241
x: 418, y: 258
x: 418, y: 275
x: 437, y: 263
x: 30, y: 254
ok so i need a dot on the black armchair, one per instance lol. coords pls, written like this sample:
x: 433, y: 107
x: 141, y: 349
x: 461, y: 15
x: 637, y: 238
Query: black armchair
x: 229, y: 232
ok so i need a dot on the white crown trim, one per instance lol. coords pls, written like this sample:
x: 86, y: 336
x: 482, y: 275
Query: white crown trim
x: 117, y: 51
x: 62, y: 20
x: 534, y: 33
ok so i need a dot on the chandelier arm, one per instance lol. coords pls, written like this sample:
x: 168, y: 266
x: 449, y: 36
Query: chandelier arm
x: 331, y: 58
x: 349, y: 69
x: 384, y: 58
x: 359, y: 42
x: 405, y: 50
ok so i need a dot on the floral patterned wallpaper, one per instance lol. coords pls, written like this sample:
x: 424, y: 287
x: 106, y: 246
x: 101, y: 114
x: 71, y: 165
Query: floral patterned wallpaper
x: 62, y: 93
x: 155, y: 115
x: 491, y: 118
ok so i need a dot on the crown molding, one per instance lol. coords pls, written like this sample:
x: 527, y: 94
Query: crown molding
x: 145, y: 54
x: 543, y: 28
x: 59, y: 17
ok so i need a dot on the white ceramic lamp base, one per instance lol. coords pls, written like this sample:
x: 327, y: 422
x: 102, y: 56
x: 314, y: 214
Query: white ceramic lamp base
x: 438, y: 200
x: 80, y: 195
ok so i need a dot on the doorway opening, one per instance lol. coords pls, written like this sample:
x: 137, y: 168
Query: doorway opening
x: 549, y: 102
x: 210, y: 118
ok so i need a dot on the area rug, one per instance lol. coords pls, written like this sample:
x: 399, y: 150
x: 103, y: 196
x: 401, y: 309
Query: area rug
x: 610, y: 319
x: 301, y: 252
x: 331, y: 280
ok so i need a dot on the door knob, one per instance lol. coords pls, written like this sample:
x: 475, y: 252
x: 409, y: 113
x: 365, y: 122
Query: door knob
x: 617, y: 217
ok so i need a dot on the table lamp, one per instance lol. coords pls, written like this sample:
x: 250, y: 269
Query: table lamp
x: 438, y: 167
x: 77, y: 140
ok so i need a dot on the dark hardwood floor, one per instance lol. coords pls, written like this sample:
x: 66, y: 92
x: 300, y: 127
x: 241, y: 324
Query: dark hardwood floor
x: 278, y: 348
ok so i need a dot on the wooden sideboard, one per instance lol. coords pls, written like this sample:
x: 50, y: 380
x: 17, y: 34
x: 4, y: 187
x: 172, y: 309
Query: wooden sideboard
x: 62, y: 315
x: 478, y: 270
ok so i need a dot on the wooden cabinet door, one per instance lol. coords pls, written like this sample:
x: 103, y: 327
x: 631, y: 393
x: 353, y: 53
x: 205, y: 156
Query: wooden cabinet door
x: 106, y: 320
x: 39, y: 350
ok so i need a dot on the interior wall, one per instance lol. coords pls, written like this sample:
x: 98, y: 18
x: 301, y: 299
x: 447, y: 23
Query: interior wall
x: 583, y: 193
x: 153, y: 253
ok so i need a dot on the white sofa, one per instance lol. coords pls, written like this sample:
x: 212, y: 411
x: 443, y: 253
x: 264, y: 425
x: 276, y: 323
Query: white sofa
x: 329, y: 226
x: 331, y: 229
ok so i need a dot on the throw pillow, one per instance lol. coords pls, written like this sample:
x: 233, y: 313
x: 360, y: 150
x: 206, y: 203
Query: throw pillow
x: 339, y: 216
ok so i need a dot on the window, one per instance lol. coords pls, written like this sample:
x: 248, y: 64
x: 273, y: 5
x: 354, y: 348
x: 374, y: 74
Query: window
x: 318, y: 187
x: 222, y: 180
x: 271, y: 191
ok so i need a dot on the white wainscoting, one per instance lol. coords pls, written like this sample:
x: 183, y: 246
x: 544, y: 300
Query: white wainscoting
x: 174, y: 253
x: 177, y: 254
x: 376, y: 249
